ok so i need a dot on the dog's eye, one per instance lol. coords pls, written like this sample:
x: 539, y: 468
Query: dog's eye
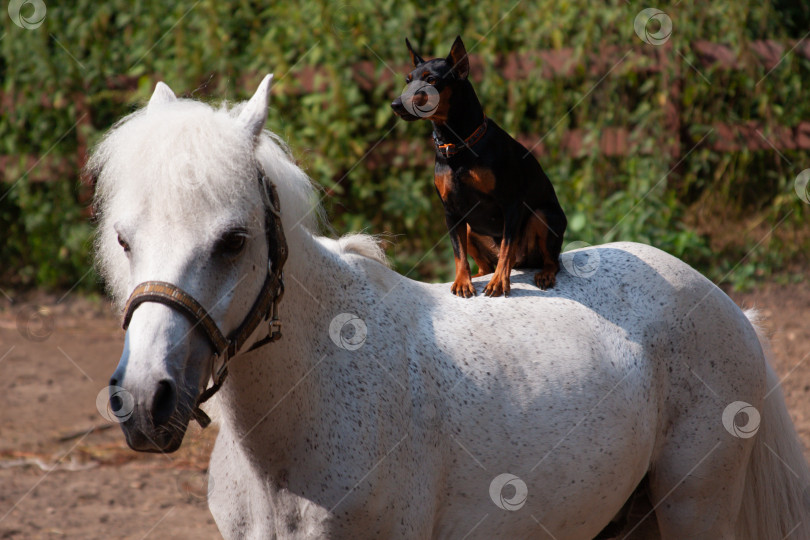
x: 123, y: 243
x: 408, y: 79
x: 232, y: 242
x: 431, y: 80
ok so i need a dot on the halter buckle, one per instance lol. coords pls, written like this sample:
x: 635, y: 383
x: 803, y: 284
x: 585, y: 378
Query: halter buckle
x: 274, y: 329
x: 274, y: 323
x: 219, y: 375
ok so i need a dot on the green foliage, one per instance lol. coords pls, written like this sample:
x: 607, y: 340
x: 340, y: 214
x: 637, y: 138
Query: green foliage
x: 112, y: 53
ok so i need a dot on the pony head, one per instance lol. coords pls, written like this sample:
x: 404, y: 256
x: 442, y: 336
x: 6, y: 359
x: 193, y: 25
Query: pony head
x: 182, y: 190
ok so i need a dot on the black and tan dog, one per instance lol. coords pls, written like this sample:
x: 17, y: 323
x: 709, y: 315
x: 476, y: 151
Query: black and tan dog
x: 499, y: 205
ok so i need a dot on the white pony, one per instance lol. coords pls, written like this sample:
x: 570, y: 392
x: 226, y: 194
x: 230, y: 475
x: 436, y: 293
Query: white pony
x: 634, y: 399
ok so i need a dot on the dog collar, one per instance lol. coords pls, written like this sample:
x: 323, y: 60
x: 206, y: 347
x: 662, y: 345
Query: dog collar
x: 450, y: 149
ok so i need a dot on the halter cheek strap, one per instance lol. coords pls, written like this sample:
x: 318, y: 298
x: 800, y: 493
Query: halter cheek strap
x: 265, y: 307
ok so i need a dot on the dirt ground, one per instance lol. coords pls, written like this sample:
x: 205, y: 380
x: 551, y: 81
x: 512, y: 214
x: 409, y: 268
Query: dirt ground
x: 65, y: 474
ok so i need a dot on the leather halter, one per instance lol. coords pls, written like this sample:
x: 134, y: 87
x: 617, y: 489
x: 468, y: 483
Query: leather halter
x: 450, y: 149
x: 265, y: 308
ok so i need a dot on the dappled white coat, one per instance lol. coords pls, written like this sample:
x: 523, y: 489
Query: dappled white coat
x: 400, y: 419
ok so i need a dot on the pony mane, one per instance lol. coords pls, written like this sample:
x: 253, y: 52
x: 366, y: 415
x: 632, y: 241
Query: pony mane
x: 367, y: 245
x: 203, y: 156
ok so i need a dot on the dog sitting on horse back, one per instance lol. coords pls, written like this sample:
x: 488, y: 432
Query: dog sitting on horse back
x: 499, y: 205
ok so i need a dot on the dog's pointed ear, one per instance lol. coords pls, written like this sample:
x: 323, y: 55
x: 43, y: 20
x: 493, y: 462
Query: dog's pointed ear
x: 254, y: 115
x: 415, y: 58
x: 162, y: 95
x: 458, y: 59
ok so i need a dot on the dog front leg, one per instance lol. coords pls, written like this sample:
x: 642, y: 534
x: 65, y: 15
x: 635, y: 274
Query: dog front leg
x: 500, y: 283
x: 462, y: 286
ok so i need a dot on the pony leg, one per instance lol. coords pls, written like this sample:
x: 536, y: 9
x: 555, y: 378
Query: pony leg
x: 709, y: 482
x: 636, y: 521
x: 696, y: 495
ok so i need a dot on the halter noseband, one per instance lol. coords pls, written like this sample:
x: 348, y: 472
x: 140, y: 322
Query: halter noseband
x: 265, y: 308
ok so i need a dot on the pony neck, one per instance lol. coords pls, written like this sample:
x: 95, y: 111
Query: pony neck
x: 270, y: 390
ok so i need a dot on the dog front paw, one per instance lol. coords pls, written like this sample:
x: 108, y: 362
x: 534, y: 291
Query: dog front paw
x: 463, y: 287
x: 498, y: 286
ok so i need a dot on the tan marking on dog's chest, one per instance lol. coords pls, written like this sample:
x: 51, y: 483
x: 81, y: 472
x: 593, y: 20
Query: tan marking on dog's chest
x: 481, y: 179
x: 444, y: 183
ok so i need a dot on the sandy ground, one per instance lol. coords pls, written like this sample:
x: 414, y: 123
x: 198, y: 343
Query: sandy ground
x: 64, y: 473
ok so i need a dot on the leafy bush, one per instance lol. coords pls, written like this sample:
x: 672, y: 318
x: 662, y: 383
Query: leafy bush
x: 104, y: 59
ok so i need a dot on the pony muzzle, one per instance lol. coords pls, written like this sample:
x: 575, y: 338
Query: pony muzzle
x: 156, y: 419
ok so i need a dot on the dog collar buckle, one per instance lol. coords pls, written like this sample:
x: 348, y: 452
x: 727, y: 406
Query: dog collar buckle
x: 449, y: 149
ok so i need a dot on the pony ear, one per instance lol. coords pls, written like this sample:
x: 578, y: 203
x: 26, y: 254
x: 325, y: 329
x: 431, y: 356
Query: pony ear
x: 458, y: 58
x: 254, y: 115
x: 415, y: 58
x: 162, y: 95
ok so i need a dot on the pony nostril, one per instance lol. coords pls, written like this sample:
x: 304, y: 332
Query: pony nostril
x: 164, y: 402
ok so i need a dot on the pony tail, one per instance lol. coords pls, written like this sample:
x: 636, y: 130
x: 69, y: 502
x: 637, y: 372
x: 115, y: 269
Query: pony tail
x: 776, y: 496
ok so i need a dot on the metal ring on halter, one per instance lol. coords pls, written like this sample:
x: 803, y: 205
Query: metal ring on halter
x: 265, y: 307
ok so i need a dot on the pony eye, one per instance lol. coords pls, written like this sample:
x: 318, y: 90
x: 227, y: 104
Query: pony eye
x: 123, y: 243
x: 232, y: 242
